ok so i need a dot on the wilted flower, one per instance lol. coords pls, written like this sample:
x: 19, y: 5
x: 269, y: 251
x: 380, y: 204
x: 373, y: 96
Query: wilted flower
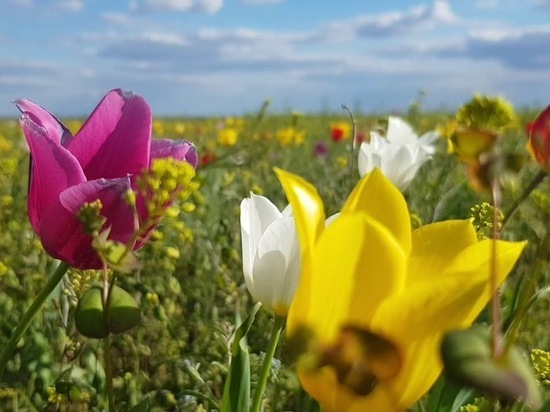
x: 539, y: 138
x: 271, y: 254
x: 99, y: 163
x: 399, y: 154
x: 375, y: 299
x: 339, y: 131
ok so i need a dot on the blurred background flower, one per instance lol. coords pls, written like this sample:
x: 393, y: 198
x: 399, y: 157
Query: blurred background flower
x: 399, y: 154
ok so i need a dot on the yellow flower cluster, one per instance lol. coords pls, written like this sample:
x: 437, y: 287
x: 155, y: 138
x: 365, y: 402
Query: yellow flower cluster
x: 481, y: 216
x: 541, y: 364
x: 290, y: 136
x: 89, y: 215
x: 166, y: 181
x: 80, y: 281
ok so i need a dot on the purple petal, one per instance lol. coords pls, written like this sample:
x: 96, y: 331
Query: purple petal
x: 178, y: 149
x: 56, y: 130
x: 116, y: 138
x: 62, y: 233
x: 53, y: 169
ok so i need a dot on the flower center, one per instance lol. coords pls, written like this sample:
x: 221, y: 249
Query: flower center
x: 359, y: 358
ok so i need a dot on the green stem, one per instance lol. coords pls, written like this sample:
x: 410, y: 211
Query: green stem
x: 534, y: 183
x: 28, y: 317
x: 109, y: 372
x: 266, y: 366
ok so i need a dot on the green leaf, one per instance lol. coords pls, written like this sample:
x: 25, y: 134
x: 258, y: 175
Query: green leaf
x: 446, y: 396
x: 142, y: 406
x: 236, y: 392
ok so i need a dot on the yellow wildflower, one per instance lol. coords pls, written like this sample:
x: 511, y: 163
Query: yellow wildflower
x: 227, y: 136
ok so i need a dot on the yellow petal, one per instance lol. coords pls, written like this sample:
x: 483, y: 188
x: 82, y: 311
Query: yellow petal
x: 451, y: 301
x: 435, y: 245
x: 357, y: 264
x: 307, y: 207
x: 417, y: 318
x: 378, y: 197
x: 308, y: 211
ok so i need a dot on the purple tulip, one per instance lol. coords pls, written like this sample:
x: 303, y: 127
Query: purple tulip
x: 99, y: 162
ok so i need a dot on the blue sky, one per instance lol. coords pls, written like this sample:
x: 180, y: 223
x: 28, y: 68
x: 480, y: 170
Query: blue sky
x: 225, y: 57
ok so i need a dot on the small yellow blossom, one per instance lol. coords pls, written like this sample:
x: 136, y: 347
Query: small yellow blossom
x: 342, y: 161
x: 172, y: 252
x: 227, y: 136
x: 152, y: 298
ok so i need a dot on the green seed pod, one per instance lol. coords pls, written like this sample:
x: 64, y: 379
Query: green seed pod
x: 122, y: 312
x: 89, y: 317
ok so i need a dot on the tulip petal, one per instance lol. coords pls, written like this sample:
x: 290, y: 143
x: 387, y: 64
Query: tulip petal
x: 115, y: 140
x: 434, y: 246
x: 53, y: 169
x: 400, y: 132
x: 257, y: 213
x: 354, y: 253
x: 177, y: 149
x: 418, y: 317
x: 308, y: 210
x: 376, y: 196
x: 276, y: 268
x: 54, y: 128
x: 449, y: 299
x: 62, y: 233
x: 400, y: 166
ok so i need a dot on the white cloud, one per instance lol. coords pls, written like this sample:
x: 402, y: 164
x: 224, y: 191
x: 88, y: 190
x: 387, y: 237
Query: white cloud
x: 394, y: 23
x: 205, y: 6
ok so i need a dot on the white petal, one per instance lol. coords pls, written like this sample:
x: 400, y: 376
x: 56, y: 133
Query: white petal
x: 427, y: 142
x: 257, y: 213
x: 400, y: 167
x: 276, y: 269
x: 400, y: 132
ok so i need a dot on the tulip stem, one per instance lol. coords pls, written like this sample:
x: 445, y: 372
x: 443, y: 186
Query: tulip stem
x: 266, y: 366
x: 28, y: 317
x: 109, y: 372
x: 497, y: 334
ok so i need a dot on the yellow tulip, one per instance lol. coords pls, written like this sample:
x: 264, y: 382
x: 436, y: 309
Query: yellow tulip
x: 375, y: 298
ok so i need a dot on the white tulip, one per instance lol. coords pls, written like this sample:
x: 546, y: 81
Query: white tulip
x: 271, y: 253
x: 399, y: 154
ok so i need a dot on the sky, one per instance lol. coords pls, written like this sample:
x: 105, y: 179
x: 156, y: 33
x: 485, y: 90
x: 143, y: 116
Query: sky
x: 225, y: 57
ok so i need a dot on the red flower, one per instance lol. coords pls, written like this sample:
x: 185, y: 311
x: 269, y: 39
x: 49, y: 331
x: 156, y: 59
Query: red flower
x: 337, y: 134
x: 207, y: 158
x: 539, y: 138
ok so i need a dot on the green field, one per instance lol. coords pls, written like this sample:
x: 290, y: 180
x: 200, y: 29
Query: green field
x: 191, y: 289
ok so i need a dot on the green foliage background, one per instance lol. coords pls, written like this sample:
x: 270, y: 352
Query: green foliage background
x: 191, y: 289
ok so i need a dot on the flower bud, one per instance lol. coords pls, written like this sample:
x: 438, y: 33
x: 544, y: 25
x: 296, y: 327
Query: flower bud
x: 468, y: 360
